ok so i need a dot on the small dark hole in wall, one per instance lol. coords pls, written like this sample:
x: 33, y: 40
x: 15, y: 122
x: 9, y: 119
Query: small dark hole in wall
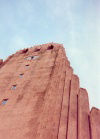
x: 27, y: 65
x: 36, y: 50
x: 13, y: 87
x: 28, y: 58
x: 21, y: 75
x: 31, y: 57
x: 4, y: 101
x: 34, y: 57
x: 25, y: 51
x: 50, y: 47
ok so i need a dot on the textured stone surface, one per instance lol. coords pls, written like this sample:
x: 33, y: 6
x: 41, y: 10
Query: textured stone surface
x: 40, y: 97
x: 72, y: 120
x: 83, y: 115
x: 65, y: 105
x: 95, y: 123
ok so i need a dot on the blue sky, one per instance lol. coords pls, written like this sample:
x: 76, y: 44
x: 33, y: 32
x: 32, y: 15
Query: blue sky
x: 75, y: 23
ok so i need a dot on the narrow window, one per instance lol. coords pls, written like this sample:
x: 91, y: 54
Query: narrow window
x: 31, y: 57
x: 24, y: 51
x: 50, y: 47
x: 35, y: 57
x: 21, y: 75
x: 27, y: 65
x: 36, y: 50
x: 28, y: 58
x: 4, y: 101
x: 13, y: 87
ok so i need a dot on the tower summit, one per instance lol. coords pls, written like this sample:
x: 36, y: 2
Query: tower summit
x: 40, y: 97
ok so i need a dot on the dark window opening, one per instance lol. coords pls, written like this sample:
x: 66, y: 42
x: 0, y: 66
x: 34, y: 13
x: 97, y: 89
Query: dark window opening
x: 28, y: 58
x: 36, y: 50
x: 50, y: 47
x: 27, y: 65
x: 31, y: 57
x: 21, y: 75
x: 13, y: 87
x: 4, y: 101
x: 34, y: 57
x: 25, y: 51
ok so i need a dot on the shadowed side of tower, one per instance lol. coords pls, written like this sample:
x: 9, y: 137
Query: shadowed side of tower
x: 40, y: 97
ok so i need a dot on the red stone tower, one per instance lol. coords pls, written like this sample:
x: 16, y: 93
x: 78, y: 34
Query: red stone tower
x: 40, y: 97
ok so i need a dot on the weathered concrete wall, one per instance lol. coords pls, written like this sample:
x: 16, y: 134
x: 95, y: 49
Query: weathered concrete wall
x: 40, y: 97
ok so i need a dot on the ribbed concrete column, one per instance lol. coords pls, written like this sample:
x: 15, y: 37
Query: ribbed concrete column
x: 64, y: 112
x: 95, y: 123
x: 83, y: 115
x: 72, y: 121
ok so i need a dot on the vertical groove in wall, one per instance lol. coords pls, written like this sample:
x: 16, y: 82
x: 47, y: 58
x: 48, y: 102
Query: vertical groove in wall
x: 68, y: 109
x: 77, y: 116
x: 52, y: 71
x: 55, y: 107
x: 90, y: 131
x: 51, y: 74
x: 61, y: 106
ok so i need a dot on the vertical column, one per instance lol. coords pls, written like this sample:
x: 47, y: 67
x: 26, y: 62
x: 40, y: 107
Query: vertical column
x: 50, y: 116
x: 83, y: 115
x: 72, y: 120
x: 64, y: 112
x: 95, y: 123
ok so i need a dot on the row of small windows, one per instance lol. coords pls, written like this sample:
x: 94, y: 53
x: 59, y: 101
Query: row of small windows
x: 49, y: 48
x: 20, y: 75
x: 4, y: 101
x: 38, y: 49
x: 35, y: 57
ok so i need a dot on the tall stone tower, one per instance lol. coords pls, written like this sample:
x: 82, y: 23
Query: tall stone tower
x: 40, y: 97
